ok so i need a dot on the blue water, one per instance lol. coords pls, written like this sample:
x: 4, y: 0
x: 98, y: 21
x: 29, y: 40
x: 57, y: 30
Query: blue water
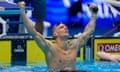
x: 99, y: 66
x: 80, y: 66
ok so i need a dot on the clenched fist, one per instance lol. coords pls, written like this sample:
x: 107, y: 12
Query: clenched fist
x: 21, y: 4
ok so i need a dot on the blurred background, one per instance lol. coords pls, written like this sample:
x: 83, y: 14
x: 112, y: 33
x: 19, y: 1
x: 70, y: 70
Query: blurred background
x: 17, y: 49
x: 75, y: 14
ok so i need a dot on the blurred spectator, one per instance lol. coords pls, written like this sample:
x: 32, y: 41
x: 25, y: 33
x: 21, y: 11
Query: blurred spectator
x: 75, y: 14
x: 108, y: 56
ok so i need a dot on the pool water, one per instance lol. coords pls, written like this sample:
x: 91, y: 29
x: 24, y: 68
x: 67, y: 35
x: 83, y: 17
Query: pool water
x: 80, y: 66
x: 99, y: 66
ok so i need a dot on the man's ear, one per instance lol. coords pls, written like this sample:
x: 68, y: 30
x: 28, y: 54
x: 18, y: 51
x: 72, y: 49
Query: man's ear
x: 55, y: 34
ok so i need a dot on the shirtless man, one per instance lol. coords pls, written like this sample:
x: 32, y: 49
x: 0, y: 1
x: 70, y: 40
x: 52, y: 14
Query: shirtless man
x: 108, y: 56
x: 60, y: 55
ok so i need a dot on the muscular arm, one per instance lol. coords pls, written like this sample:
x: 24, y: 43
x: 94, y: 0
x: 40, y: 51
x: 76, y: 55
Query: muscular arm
x: 104, y: 55
x: 108, y: 56
x: 89, y: 29
x: 42, y: 42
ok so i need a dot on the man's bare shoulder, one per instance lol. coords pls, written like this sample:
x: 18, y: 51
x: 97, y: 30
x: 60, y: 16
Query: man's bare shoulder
x: 50, y: 42
x: 73, y: 43
x: 77, y: 43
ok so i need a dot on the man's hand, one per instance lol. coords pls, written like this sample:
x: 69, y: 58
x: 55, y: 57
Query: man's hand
x: 21, y: 4
x: 93, y: 9
x: 2, y: 8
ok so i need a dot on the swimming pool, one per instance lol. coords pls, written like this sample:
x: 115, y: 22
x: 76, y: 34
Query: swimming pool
x: 99, y: 66
x: 35, y: 61
x: 80, y: 66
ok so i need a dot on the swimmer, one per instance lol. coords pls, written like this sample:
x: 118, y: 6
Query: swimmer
x: 62, y: 54
x: 108, y: 56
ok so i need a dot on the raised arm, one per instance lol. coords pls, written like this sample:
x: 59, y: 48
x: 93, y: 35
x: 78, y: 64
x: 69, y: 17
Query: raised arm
x: 89, y: 29
x: 41, y: 41
x: 108, y: 56
x: 28, y: 23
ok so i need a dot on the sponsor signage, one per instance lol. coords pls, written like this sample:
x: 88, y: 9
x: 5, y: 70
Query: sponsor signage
x: 106, y: 44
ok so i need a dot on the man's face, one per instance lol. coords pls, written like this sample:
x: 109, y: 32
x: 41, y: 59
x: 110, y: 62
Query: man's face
x: 61, y: 31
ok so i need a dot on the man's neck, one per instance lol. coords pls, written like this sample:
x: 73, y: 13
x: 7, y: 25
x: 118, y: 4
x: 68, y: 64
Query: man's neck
x: 62, y: 43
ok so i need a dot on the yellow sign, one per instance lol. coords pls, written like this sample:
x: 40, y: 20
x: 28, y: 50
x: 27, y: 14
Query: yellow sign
x: 5, y: 52
x: 107, y: 44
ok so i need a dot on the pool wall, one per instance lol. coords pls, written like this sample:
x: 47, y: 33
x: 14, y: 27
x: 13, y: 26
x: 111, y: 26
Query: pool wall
x: 26, y: 52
